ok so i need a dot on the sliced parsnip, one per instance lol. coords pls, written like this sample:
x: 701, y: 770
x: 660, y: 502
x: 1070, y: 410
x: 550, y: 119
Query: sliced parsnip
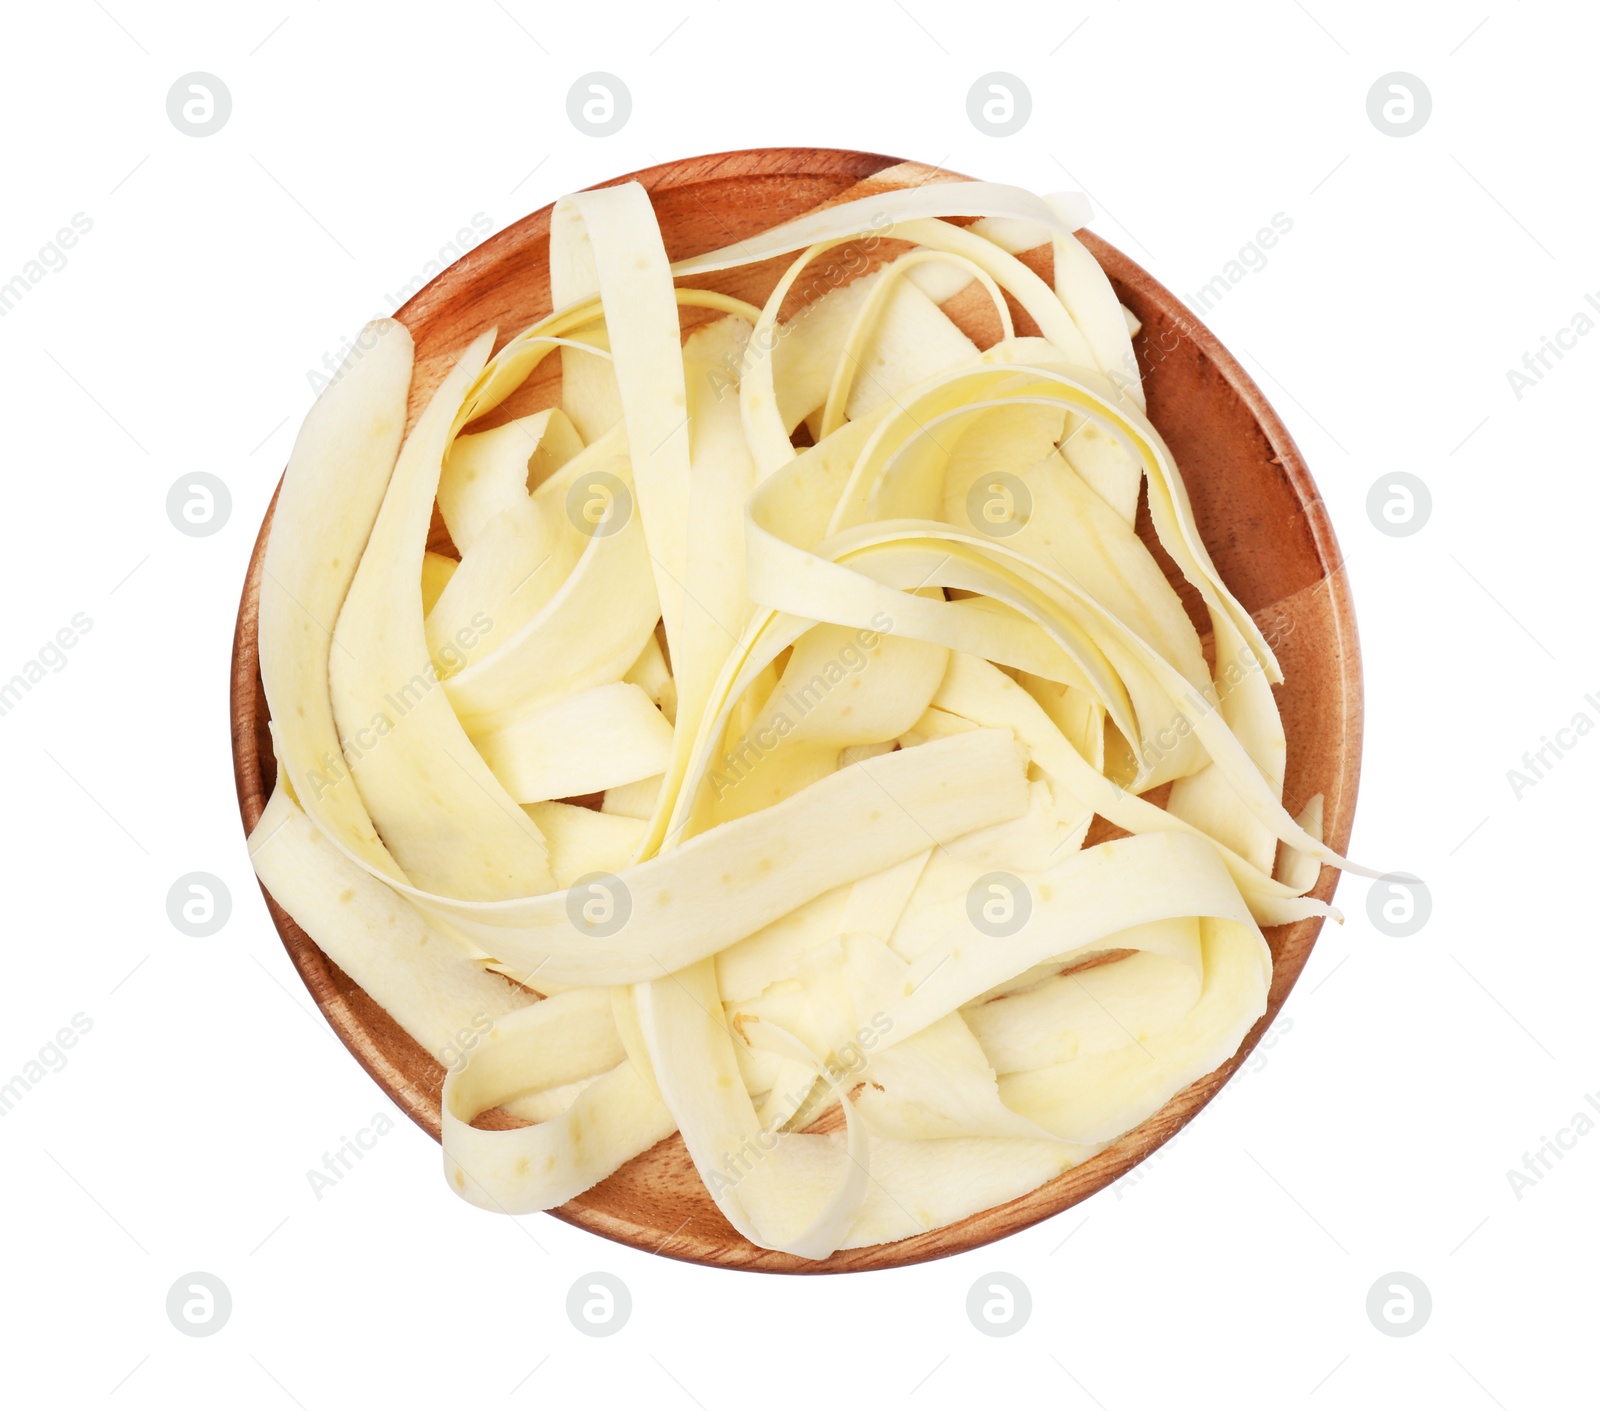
x: 649, y: 672
x: 1105, y: 1007
x: 902, y: 337
x: 419, y: 973
x: 636, y: 800
x: 841, y: 699
x: 611, y: 1120
x: 606, y: 242
x: 589, y: 742
x: 584, y: 840
x: 332, y: 490
x: 716, y: 604
x: 495, y: 470
x: 1076, y: 906
x: 938, y: 1084
x: 853, y: 823
x: 437, y: 570
x: 593, y: 616
x: 442, y: 813
x: 839, y: 688
x: 919, y: 1186
x: 1099, y: 1095
x: 589, y: 384
x: 789, y: 1191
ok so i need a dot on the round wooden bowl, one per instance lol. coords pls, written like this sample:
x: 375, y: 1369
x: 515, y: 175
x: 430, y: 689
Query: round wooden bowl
x: 1257, y: 508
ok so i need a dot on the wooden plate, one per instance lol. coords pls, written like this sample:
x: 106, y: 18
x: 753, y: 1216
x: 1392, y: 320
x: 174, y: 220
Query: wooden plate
x: 1257, y: 509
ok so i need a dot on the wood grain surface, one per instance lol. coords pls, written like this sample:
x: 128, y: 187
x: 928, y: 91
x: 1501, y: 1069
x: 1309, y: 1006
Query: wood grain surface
x: 1257, y: 509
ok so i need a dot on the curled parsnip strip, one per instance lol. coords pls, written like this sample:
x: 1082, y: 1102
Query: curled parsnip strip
x: 426, y: 981
x: 442, y: 813
x: 758, y: 396
x: 780, y: 1190
x: 920, y: 466
x: 555, y: 1042
x: 332, y: 489
x: 494, y: 470
x: 973, y: 688
x: 1076, y: 391
x: 1002, y: 382
x: 504, y: 580
x: 1097, y: 1096
x: 607, y: 243
x: 1077, y: 905
x: 1104, y: 1007
x: 509, y: 368
x: 1084, y: 288
x: 594, y: 620
x: 918, y: 1186
x: 1295, y: 870
x: 903, y: 215
x: 853, y: 823
x: 849, y: 364
x: 881, y: 212
x: 716, y: 604
x: 906, y: 339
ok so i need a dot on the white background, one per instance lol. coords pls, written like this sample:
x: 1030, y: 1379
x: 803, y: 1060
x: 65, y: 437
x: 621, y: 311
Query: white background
x: 1378, y: 1132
